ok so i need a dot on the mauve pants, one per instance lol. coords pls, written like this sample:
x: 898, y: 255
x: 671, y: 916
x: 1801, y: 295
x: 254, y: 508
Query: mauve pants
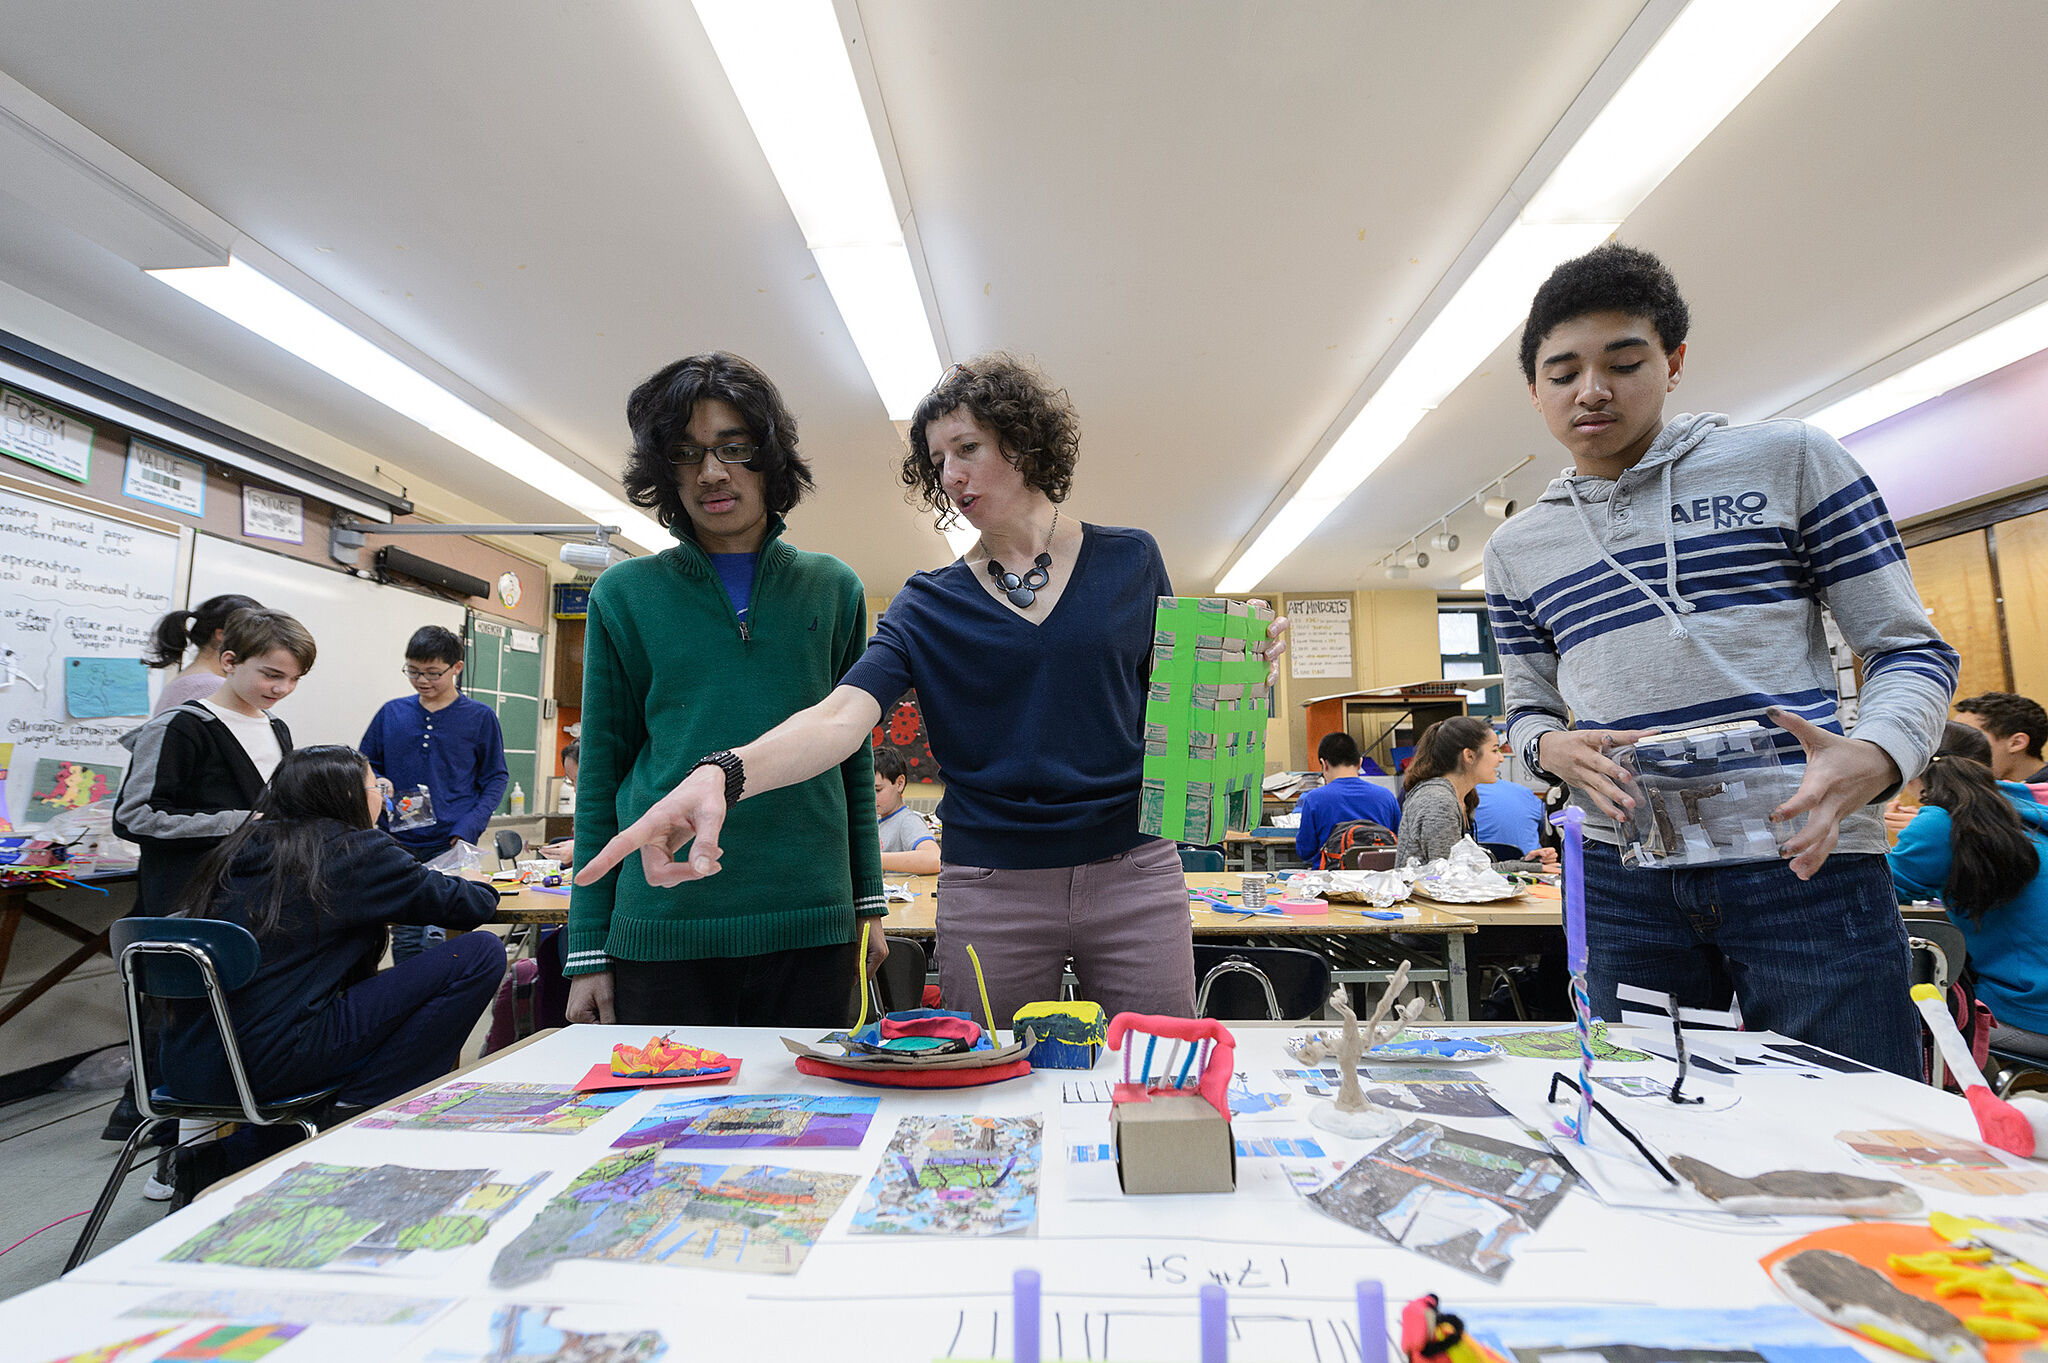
x: 1123, y: 921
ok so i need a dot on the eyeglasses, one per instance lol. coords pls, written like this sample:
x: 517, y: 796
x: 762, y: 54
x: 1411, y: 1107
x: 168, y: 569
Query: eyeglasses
x: 690, y: 456
x: 959, y: 370
x: 417, y: 674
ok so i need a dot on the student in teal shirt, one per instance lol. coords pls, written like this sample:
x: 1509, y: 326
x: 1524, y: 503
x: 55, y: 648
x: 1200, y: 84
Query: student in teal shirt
x: 1978, y: 845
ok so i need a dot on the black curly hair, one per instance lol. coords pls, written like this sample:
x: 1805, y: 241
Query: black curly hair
x: 1033, y: 420
x: 1608, y: 278
x: 659, y: 413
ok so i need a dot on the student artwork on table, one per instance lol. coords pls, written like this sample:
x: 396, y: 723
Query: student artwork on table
x: 60, y: 786
x: 1464, y: 1096
x: 755, y: 1121
x: 254, y: 1306
x: 233, y: 1344
x: 955, y: 1176
x: 1460, y: 1199
x: 386, y: 1218
x: 1248, y: 1147
x: 1637, y: 1334
x: 634, y: 1208
x: 100, y: 688
x: 1644, y: 1086
x: 1562, y: 1043
x: 108, y: 1353
x: 543, y: 1334
x: 526, y: 1109
x: 1934, y: 1159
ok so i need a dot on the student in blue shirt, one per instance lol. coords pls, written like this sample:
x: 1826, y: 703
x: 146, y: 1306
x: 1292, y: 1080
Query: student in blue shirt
x: 443, y: 740
x: 1510, y: 814
x: 1344, y: 795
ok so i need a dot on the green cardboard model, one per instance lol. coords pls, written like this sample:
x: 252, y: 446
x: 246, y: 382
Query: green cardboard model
x: 1205, y: 722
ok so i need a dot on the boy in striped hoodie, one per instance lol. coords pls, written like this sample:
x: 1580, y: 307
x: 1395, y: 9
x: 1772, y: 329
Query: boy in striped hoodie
x: 1676, y: 576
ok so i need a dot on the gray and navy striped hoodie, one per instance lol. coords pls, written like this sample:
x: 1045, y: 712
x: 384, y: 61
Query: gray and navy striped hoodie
x: 1689, y: 591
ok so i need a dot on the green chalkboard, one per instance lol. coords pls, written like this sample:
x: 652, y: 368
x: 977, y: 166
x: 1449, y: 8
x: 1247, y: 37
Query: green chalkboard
x: 502, y: 669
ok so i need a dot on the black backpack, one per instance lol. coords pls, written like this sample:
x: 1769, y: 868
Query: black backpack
x: 1347, y: 835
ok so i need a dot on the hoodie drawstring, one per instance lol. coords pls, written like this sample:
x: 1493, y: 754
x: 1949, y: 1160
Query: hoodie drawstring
x: 1678, y: 600
x: 1678, y: 628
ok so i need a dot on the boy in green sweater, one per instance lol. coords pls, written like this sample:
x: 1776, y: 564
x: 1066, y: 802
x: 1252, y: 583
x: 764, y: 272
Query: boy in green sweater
x: 686, y: 653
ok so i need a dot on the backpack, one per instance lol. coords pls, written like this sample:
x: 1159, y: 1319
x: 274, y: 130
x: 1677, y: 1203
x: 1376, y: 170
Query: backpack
x: 1360, y: 833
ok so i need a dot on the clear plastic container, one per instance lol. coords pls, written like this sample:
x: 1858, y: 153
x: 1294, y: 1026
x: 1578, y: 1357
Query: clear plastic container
x: 1704, y: 797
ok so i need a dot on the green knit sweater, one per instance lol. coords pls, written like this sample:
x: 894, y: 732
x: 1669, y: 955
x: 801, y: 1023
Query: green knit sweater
x: 669, y: 675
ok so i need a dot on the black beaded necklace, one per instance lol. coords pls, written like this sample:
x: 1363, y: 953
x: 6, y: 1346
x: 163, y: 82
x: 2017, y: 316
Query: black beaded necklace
x: 1024, y: 590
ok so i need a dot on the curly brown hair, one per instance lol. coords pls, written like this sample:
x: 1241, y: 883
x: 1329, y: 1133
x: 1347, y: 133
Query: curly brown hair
x: 1033, y: 421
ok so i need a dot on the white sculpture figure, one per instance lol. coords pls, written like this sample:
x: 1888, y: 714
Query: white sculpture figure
x: 1350, y: 1113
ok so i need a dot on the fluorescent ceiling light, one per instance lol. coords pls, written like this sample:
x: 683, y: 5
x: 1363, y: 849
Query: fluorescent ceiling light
x: 1708, y: 59
x: 242, y: 294
x: 1991, y: 349
x: 787, y: 63
x: 1474, y: 583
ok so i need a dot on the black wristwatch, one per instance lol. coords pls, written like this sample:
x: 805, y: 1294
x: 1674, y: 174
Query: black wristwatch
x: 735, y: 773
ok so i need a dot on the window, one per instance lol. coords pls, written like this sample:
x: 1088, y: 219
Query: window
x: 1465, y: 642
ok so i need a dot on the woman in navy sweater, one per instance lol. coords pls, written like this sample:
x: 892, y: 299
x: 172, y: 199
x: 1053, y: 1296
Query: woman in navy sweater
x: 318, y: 884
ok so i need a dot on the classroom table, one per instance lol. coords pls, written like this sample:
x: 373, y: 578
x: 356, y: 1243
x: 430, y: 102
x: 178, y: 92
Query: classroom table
x: 1355, y: 944
x: 16, y: 903
x: 1120, y: 1273
x: 1273, y: 848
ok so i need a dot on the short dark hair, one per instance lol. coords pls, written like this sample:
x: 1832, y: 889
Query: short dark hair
x: 1339, y: 750
x: 434, y: 644
x: 889, y: 765
x: 1034, y: 421
x: 252, y: 632
x: 2005, y: 714
x: 1609, y: 278
x: 573, y: 753
x: 659, y: 413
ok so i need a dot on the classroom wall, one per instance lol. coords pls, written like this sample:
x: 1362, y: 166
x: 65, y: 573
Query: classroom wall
x: 1393, y: 641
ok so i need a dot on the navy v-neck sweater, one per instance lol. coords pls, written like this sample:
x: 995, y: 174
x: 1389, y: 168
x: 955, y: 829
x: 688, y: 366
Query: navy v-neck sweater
x: 1038, y: 728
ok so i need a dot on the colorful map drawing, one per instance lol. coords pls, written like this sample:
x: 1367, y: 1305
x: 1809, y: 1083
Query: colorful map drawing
x: 334, y: 1215
x: 527, y: 1109
x: 1562, y: 1043
x: 528, y: 1334
x: 755, y: 1120
x: 1936, y: 1160
x: 232, y: 1344
x: 254, y: 1306
x: 107, y: 1353
x: 1248, y: 1147
x: 634, y: 1207
x: 60, y: 786
x: 954, y: 1176
x: 1246, y: 1102
x: 1460, y: 1199
x: 98, y: 688
x: 1467, y: 1099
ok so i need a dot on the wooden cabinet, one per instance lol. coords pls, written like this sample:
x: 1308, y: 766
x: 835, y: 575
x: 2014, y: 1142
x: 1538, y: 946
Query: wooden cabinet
x: 569, y: 664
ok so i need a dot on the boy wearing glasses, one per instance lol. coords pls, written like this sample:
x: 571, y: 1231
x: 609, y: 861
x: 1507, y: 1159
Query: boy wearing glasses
x: 441, y: 739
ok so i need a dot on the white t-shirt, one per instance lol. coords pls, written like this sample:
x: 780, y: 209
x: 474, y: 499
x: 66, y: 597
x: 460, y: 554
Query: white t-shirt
x: 255, y: 735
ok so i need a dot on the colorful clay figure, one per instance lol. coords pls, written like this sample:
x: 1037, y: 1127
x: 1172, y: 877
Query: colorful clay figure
x: 1070, y: 1035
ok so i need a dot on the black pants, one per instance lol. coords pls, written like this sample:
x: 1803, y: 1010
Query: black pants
x: 397, y: 1030
x: 807, y: 987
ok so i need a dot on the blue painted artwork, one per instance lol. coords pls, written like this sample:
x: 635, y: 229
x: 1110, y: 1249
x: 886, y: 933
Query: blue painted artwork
x: 99, y: 688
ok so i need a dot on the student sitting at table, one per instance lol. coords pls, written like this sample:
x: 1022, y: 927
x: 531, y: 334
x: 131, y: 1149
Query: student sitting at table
x: 1510, y: 814
x: 1977, y: 845
x: 318, y: 884
x: 564, y: 849
x: 1453, y: 758
x: 1343, y: 796
x: 908, y: 846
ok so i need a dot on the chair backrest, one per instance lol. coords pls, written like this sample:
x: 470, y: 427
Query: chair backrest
x: 1236, y: 980
x: 1503, y: 851
x: 509, y: 844
x: 900, y: 981
x: 1200, y: 859
x: 162, y: 966
x: 1947, y: 939
x: 1369, y: 859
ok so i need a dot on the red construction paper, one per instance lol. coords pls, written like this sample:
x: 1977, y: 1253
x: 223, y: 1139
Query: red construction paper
x: 601, y: 1077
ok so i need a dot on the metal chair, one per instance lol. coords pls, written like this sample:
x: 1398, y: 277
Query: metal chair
x: 899, y: 984
x: 1200, y: 859
x: 1939, y: 953
x: 186, y: 958
x: 1275, y: 983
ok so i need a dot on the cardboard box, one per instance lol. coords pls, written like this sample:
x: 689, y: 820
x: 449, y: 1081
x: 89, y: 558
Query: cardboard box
x: 1205, y: 719
x: 1173, y: 1142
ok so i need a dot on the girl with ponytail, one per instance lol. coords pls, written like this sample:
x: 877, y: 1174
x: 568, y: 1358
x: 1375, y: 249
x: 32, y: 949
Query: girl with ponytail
x: 1977, y: 845
x: 198, y: 628
x: 1440, y: 792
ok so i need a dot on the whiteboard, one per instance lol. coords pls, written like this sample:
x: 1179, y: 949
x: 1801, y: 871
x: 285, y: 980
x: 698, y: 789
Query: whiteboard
x: 75, y: 587
x: 361, y: 628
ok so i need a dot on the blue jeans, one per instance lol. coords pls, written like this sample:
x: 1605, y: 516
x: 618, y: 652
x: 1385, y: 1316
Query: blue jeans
x: 410, y: 939
x: 1823, y: 960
